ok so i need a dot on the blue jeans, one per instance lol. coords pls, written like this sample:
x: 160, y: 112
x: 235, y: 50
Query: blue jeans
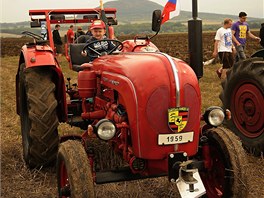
x: 240, y: 53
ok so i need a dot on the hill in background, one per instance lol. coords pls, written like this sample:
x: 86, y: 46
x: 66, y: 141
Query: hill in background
x: 135, y: 17
x: 136, y: 11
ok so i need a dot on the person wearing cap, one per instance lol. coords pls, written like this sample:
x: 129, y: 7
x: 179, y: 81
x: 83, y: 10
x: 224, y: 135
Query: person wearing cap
x: 240, y: 30
x: 78, y: 33
x: 98, y: 34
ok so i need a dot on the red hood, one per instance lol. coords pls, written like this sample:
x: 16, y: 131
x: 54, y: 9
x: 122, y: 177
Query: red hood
x: 148, y: 85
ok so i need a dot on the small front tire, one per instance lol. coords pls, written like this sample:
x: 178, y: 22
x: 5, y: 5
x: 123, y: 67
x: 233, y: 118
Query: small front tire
x: 226, y: 176
x: 74, y: 174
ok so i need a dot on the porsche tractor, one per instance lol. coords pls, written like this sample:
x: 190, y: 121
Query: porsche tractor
x: 144, y: 103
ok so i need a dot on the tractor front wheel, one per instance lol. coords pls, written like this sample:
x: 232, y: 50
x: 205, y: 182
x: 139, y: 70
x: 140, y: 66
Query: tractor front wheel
x: 74, y: 174
x: 38, y: 116
x: 224, y: 174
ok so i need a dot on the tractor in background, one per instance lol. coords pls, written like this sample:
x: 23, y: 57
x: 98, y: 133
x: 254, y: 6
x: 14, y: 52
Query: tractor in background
x: 243, y: 94
x: 144, y: 103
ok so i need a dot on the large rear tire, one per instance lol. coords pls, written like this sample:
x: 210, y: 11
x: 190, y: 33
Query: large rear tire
x: 243, y: 94
x: 38, y: 116
x: 226, y: 176
x: 74, y: 174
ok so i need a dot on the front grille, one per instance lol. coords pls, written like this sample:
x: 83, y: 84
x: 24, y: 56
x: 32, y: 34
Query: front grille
x: 157, y: 109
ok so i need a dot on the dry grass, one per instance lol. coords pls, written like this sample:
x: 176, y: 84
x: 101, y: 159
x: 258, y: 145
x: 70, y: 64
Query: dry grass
x: 18, y: 181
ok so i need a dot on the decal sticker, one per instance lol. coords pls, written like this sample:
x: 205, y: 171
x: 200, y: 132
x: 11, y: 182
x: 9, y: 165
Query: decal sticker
x: 178, y: 118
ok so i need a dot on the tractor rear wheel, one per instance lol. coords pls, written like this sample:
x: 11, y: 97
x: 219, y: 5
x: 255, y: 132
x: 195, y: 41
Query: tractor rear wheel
x: 243, y: 94
x: 74, y: 174
x: 226, y: 174
x: 38, y: 116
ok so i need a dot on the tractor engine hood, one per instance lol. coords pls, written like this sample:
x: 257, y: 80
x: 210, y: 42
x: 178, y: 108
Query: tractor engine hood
x: 148, y: 84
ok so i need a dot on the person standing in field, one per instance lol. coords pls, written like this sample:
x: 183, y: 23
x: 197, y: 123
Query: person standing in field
x: 57, y: 40
x: 78, y: 33
x: 70, y: 35
x: 223, y: 47
x: 89, y: 33
x: 240, y: 30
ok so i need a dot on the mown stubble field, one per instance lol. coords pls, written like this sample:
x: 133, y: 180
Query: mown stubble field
x: 18, y: 181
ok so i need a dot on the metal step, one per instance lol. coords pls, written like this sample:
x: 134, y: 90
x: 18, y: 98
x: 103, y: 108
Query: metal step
x: 119, y: 175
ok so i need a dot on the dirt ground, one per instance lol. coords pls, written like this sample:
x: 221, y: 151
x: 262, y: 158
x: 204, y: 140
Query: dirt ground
x: 19, y: 182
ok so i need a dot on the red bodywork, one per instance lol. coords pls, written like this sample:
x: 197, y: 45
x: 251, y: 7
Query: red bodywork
x: 146, y: 87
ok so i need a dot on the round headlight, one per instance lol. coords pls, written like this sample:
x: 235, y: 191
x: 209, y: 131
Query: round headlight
x: 105, y: 129
x: 214, y: 116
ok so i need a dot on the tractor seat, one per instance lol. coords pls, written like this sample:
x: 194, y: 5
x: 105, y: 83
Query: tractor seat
x: 82, y: 39
x: 76, y: 58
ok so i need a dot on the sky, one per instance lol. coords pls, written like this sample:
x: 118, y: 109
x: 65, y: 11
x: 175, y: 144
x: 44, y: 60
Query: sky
x: 17, y: 10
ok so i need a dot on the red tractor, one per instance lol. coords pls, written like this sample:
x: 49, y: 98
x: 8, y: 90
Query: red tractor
x: 144, y: 103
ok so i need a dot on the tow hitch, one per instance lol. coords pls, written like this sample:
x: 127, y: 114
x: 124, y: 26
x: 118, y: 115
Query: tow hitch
x: 186, y: 175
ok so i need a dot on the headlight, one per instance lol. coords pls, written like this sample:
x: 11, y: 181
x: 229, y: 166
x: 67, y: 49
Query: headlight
x: 214, y: 116
x: 106, y: 129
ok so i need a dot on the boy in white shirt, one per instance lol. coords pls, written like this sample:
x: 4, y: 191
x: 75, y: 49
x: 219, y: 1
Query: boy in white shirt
x: 223, y: 47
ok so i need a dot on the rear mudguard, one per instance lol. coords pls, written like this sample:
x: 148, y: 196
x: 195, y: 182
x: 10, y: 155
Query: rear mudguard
x: 42, y: 56
x: 259, y: 53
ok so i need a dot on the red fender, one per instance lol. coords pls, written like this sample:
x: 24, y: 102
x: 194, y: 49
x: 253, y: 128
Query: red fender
x: 36, y: 56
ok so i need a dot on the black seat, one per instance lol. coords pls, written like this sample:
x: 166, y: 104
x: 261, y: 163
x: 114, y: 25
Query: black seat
x: 82, y: 39
x: 76, y: 58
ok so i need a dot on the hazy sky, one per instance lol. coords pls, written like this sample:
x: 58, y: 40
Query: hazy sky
x: 17, y: 10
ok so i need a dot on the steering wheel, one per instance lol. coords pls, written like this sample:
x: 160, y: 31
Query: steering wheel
x: 88, y: 46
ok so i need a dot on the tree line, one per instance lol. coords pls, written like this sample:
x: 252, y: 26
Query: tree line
x: 135, y: 28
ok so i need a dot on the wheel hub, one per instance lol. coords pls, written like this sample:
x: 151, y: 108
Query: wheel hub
x: 248, y: 110
x: 65, y: 190
x: 214, y: 178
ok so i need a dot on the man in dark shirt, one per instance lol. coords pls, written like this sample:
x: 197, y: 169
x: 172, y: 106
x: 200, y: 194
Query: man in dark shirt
x: 79, y: 32
x: 98, y: 34
x: 57, y: 40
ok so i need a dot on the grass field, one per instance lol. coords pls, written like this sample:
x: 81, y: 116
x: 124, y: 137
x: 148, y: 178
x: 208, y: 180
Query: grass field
x: 18, y: 181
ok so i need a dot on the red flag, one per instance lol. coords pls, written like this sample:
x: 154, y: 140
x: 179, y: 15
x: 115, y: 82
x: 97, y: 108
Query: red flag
x: 171, y: 9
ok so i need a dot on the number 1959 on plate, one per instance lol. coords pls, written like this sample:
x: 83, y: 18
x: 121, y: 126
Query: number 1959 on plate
x: 180, y: 138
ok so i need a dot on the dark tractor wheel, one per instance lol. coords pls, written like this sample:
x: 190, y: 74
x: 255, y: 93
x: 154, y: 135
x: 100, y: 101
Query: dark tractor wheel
x: 38, y: 116
x: 226, y: 174
x: 74, y: 174
x: 243, y: 94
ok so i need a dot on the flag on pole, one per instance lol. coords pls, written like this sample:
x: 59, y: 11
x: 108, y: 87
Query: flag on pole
x: 171, y: 9
x: 103, y: 17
